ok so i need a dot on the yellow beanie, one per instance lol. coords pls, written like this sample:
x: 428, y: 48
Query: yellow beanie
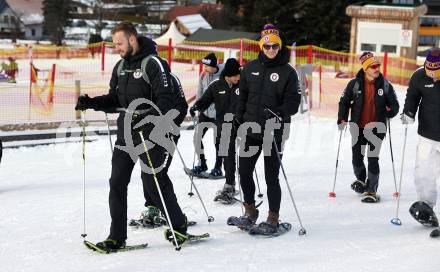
x: 270, y: 34
x: 367, y: 59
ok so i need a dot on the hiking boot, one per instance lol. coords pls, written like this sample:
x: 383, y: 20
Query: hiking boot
x: 226, y: 196
x: 200, y: 168
x: 370, y: 197
x: 152, y: 217
x: 358, y: 186
x: 268, y: 227
x: 180, y: 232
x: 250, y: 216
x: 110, y: 245
x: 215, y: 172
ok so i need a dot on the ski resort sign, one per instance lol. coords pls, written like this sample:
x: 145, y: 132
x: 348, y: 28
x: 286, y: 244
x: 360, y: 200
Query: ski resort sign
x: 405, y: 38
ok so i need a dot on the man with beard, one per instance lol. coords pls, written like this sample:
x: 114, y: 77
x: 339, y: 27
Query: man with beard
x: 126, y: 85
x: 371, y: 100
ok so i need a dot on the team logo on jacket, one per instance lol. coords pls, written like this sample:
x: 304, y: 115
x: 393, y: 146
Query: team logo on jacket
x: 137, y: 74
x: 380, y: 92
x: 237, y: 91
x: 274, y: 77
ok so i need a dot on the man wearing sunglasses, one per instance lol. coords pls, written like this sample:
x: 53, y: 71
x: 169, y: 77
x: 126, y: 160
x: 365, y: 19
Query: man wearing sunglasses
x: 267, y: 83
x: 371, y: 100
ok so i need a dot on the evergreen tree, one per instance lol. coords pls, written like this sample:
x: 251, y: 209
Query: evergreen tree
x: 56, y: 16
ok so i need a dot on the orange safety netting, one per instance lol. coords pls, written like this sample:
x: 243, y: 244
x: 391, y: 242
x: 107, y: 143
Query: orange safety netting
x: 92, y: 65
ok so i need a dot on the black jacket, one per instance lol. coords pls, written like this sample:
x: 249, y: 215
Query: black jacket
x: 268, y: 84
x: 222, y: 95
x: 130, y: 85
x: 424, y: 93
x: 354, y: 102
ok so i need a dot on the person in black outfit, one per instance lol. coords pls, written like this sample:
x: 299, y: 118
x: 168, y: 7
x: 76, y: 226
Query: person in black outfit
x: 423, y: 96
x: 372, y: 100
x: 223, y: 93
x: 269, y: 82
x: 126, y: 85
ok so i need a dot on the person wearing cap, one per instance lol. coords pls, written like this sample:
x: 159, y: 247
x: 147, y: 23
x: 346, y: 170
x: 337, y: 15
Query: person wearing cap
x: 266, y: 83
x: 423, y: 95
x: 371, y: 100
x: 211, y: 72
x: 223, y: 93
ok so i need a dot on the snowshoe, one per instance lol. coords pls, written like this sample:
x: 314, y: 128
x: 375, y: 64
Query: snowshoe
x: 435, y: 233
x: 358, y: 186
x: 216, y: 174
x: 183, y: 237
x: 197, y: 174
x: 270, y: 230
x: 112, y: 247
x: 227, y: 195
x: 370, y: 197
x: 423, y: 214
x: 150, y: 218
x: 246, y: 221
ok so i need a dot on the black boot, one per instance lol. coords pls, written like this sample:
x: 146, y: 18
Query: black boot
x: 110, y: 245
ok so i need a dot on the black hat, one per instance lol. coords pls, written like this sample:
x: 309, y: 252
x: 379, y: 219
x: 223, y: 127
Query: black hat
x: 232, y: 68
x: 210, y: 60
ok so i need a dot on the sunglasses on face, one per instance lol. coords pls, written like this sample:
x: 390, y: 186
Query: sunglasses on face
x: 273, y: 46
x: 374, y: 66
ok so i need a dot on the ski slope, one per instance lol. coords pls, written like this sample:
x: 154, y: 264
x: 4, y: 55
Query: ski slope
x: 42, y: 212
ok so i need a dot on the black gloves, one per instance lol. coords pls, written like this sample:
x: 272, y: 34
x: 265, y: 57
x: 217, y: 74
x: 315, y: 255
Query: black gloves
x: 389, y: 113
x: 84, y: 102
x: 341, y: 124
x: 192, y: 111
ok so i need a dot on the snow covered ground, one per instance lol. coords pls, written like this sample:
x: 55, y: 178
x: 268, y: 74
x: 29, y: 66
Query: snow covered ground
x: 42, y: 211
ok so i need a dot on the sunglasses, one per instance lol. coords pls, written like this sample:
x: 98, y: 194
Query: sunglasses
x: 374, y: 66
x: 273, y: 46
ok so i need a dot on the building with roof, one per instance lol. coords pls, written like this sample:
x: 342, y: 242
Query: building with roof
x: 214, y: 35
x: 188, y: 24
x: 386, y: 27
x: 21, y: 19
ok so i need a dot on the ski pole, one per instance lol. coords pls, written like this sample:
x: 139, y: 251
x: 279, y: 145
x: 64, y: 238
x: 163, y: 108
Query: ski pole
x: 260, y: 195
x: 396, y: 220
x: 332, y: 193
x: 83, y: 124
x: 396, y: 194
x: 302, y: 231
x: 194, y: 159
x: 210, y: 218
x: 109, y: 134
x: 237, y: 163
x: 159, y: 191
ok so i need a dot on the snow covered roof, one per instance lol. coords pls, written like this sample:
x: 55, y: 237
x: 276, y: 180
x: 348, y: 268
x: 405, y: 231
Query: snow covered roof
x: 30, y: 12
x: 193, y: 22
x: 172, y: 33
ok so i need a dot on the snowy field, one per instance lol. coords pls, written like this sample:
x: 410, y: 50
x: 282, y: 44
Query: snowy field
x: 42, y: 212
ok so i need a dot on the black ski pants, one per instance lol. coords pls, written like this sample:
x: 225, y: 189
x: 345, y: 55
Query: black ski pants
x: 360, y: 145
x: 122, y: 167
x: 218, y: 161
x: 271, y: 172
x: 229, y: 160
